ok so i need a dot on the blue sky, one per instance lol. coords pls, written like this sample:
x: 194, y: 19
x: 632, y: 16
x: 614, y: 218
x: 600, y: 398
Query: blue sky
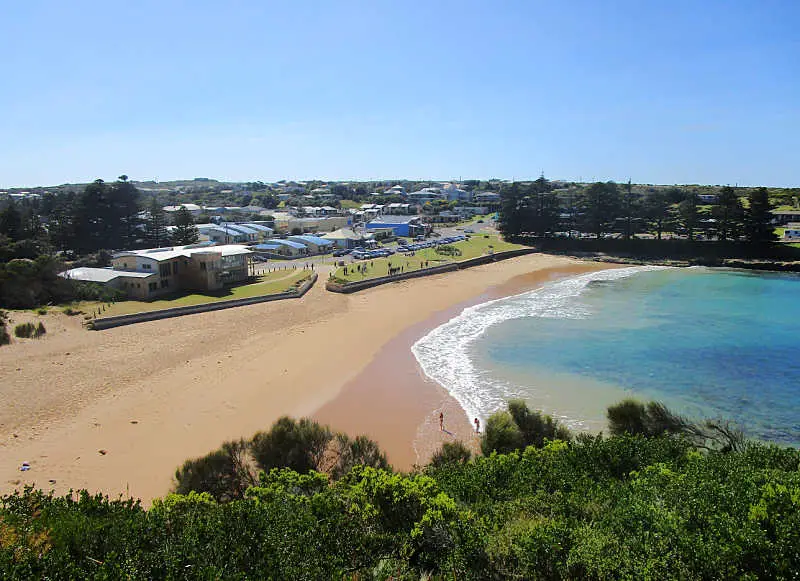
x: 660, y: 92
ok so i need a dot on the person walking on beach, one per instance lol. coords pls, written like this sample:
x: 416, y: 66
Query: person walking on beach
x: 441, y: 421
x: 477, y: 426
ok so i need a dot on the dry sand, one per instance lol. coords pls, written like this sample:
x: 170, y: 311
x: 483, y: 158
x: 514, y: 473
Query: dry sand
x: 118, y: 411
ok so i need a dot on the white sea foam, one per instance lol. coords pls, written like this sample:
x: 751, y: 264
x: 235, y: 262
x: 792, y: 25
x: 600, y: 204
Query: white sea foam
x: 443, y: 353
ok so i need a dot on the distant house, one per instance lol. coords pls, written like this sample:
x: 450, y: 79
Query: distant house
x: 279, y: 247
x: 491, y: 199
x: 398, y: 208
x: 345, y: 238
x: 396, y: 190
x: 456, y: 194
x: 401, y: 225
x: 427, y: 195
x: 444, y: 216
x: 785, y: 216
x: 315, y: 244
x: 194, y: 209
x: 233, y: 233
x: 145, y: 274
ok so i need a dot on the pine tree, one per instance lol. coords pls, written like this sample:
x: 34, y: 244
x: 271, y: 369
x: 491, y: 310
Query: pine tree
x: 156, y: 225
x: 758, y: 218
x: 185, y: 230
x: 688, y: 214
x: 11, y: 221
x: 511, y: 210
x: 125, y: 199
x: 601, y: 205
x: 729, y: 214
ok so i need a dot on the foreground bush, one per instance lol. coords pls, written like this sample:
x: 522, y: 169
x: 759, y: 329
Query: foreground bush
x: 625, y: 507
x: 520, y: 427
x: 300, y: 445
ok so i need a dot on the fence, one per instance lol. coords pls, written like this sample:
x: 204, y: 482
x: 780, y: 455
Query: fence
x: 120, y: 320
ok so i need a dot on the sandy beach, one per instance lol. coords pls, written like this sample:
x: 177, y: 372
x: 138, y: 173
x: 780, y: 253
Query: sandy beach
x: 118, y: 411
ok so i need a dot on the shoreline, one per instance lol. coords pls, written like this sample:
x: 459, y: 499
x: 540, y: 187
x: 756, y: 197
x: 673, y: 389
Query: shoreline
x: 393, y: 384
x: 117, y: 412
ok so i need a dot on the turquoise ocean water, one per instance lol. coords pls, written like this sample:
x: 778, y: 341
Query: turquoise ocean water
x: 707, y: 342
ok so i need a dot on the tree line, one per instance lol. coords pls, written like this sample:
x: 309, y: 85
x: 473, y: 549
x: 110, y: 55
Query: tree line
x: 608, y: 208
x: 37, y: 236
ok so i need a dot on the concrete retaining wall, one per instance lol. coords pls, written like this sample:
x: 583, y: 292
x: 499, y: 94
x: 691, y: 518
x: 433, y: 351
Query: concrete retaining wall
x: 118, y: 321
x: 352, y: 287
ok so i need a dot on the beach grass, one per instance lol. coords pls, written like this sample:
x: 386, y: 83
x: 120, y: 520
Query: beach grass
x: 267, y: 284
x: 476, y: 246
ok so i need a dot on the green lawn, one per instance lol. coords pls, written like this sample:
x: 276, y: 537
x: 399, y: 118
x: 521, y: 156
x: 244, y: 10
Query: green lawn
x: 476, y: 246
x: 268, y: 284
x: 349, y: 204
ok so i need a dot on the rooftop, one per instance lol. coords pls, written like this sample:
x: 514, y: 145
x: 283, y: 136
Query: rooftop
x: 102, y: 275
x: 393, y: 219
x: 160, y: 254
x: 311, y: 239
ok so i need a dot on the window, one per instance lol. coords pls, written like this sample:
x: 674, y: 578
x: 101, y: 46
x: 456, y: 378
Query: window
x: 153, y: 286
x: 138, y: 285
x: 164, y: 269
x: 175, y: 267
x: 164, y: 283
x: 202, y: 266
x: 147, y: 266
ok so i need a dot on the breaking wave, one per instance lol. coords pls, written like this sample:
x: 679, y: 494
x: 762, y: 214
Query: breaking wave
x: 443, y: 354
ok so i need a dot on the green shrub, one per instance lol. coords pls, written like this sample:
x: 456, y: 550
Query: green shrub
x: 520, y: 427
x: 300, y: 445
x: 296, y: 444
x: 25, y: 330
x: 501, y: 434
x: 535, y: 426
x: 224, y: 473
x: 451, y: 453
x: 29, y: 330
x: 41, y: 311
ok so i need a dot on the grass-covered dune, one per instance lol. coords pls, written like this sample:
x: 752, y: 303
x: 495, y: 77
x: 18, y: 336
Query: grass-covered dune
x: 591, y: 507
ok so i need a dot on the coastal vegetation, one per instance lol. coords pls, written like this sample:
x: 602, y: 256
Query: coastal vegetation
x: 644, y: 502
x: 29, y: 330
x: 644, y: 221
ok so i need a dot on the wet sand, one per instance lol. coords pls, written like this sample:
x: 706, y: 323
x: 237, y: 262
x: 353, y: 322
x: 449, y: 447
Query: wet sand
x: 393, y: 402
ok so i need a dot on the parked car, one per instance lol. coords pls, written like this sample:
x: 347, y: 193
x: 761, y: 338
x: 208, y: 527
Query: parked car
x: 480, y: 222
x: 469, y: 230
x: 342, y: 252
